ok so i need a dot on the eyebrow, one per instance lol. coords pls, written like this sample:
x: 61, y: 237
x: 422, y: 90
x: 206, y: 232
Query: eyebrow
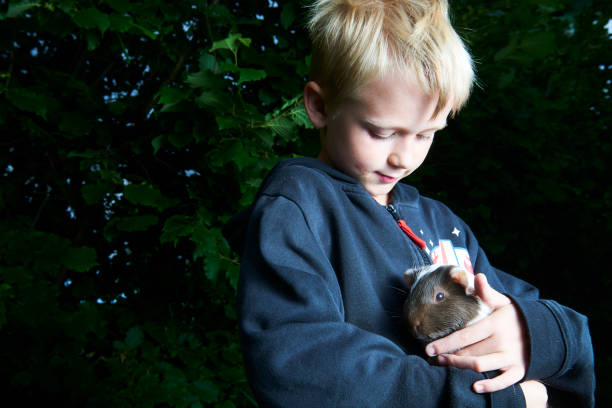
x: 383, y: 126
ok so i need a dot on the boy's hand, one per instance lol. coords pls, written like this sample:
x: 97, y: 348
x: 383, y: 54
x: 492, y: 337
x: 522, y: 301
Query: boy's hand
x: 497, y: 342
x: 536, y: 395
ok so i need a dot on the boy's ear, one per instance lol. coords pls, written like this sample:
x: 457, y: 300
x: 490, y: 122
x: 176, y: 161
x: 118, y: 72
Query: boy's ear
x: 314, y: 102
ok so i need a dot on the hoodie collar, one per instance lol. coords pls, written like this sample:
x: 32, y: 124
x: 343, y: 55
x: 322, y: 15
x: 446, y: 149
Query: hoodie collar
x: 401, y: 195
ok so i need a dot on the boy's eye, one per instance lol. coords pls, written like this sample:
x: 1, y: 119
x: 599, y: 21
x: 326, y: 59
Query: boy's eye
x: 381, y: 134
x: 425, y: 136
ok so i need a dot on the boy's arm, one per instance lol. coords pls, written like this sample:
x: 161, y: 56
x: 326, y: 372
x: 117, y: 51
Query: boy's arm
x: 561, y: 350
x: 300, y: 351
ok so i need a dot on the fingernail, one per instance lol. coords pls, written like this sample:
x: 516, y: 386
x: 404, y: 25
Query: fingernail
x: 430, y: 351
x: 442, y: 360
x: 479, y: 388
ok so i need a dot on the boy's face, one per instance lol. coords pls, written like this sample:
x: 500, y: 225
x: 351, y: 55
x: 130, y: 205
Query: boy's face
x: 382, y: 135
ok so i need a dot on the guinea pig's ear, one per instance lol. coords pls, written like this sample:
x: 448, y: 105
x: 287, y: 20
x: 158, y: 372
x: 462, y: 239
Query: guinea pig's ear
x: 464, y: 278
x: 409, y: 276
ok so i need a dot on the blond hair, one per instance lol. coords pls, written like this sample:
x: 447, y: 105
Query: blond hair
x: 357, y: 41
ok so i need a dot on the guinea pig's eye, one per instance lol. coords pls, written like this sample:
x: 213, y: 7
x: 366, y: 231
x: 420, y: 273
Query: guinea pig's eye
x: 439, y: 296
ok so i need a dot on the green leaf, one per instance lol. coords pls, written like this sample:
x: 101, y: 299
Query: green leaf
x: 232, y: 273
x: 212, y: 267
x: 287, y: 15
x: 6, y: 296
x: 29, y: 100
x: 134, y: 337
x: 74, y: 124
x: 202, y: 79
x: 300, y: 117
x: 180, y: 139
x: 208, y: 99
x: 122, y: 6
x: 87, y: 154
x: 284, y: 127
x: 227, y: 122
x: 92, y: 18
x: 228, y: 66
x: 265, y: 135
x: 120, y: 23
x: 539, y: 44
x: 147, y: 195
x: 152, y: 35
x: 244, y: 41
x: 205, y: 240
x: 137, y: 222
x: 237, y: 154
x: 118, y: 107
x: 207, y: 62
x: 94, y: 193
x: 17, y: 8
x: 507, y: 50
x: 175, y: 227
x: 506, y: 78
x: 93, y: 40
x: 231, y: 43
x: 157, y: 143
x: 207, y: 391
x: 230, y: 404
x: 249, y: 74
x: 80, y: 259
x: 220, y: 12
x: 170, y: 97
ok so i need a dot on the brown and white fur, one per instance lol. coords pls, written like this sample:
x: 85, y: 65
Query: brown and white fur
x: 441, y: 300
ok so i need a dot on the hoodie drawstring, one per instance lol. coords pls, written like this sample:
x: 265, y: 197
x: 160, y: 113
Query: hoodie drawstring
x: 402, y: 224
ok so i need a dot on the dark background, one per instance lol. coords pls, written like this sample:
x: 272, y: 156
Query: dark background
x: 130, y: 131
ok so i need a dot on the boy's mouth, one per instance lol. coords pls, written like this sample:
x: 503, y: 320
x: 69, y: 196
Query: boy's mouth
x: 385, y: 179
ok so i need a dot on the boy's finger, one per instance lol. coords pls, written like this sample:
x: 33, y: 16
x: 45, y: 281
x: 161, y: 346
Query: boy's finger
x: 490, y: 296
x: 480, y: 364
x: 511, y: 376
x: 478, y: 349
x: 460, y: 339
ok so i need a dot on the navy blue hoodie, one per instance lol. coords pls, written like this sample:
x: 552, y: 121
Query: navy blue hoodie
x: 319, y: 304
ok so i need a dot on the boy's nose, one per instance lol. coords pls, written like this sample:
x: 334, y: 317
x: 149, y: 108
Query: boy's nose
x: 401, y: 156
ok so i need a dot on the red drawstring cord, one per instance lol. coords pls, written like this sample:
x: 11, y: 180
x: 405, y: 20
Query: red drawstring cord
x: 402, y: 224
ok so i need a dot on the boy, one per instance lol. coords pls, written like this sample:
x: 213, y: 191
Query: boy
x: 328, y: 239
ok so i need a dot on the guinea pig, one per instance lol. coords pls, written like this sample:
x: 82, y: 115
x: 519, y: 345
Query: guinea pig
x: 441, y: 300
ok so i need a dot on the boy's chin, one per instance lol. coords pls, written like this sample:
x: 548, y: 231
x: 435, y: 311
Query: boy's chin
x: 380, y: 189
x: 381, y: 195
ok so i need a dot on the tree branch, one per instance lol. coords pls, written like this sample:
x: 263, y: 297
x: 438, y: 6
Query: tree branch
x: 103, y: 74
x: 10, y: 70
x: 177, y: 67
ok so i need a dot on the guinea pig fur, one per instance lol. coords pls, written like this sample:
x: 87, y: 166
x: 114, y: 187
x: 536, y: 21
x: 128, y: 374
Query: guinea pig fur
x: 441, y: 300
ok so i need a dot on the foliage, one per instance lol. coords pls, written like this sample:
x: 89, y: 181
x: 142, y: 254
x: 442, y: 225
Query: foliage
x: 132, y: 130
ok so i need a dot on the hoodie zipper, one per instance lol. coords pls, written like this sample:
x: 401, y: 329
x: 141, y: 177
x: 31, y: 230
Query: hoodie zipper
x: 413, y: 237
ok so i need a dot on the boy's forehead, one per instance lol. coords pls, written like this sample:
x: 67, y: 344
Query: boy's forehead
x: 396, y: 102
x: 377, y: 123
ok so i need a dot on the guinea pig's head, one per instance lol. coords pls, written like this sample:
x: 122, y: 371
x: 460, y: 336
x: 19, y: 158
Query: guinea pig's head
x: 440, y: 301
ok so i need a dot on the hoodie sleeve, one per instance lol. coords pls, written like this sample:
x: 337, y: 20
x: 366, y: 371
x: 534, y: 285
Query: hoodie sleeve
x: 300, y: 351
x: 561, y: 351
